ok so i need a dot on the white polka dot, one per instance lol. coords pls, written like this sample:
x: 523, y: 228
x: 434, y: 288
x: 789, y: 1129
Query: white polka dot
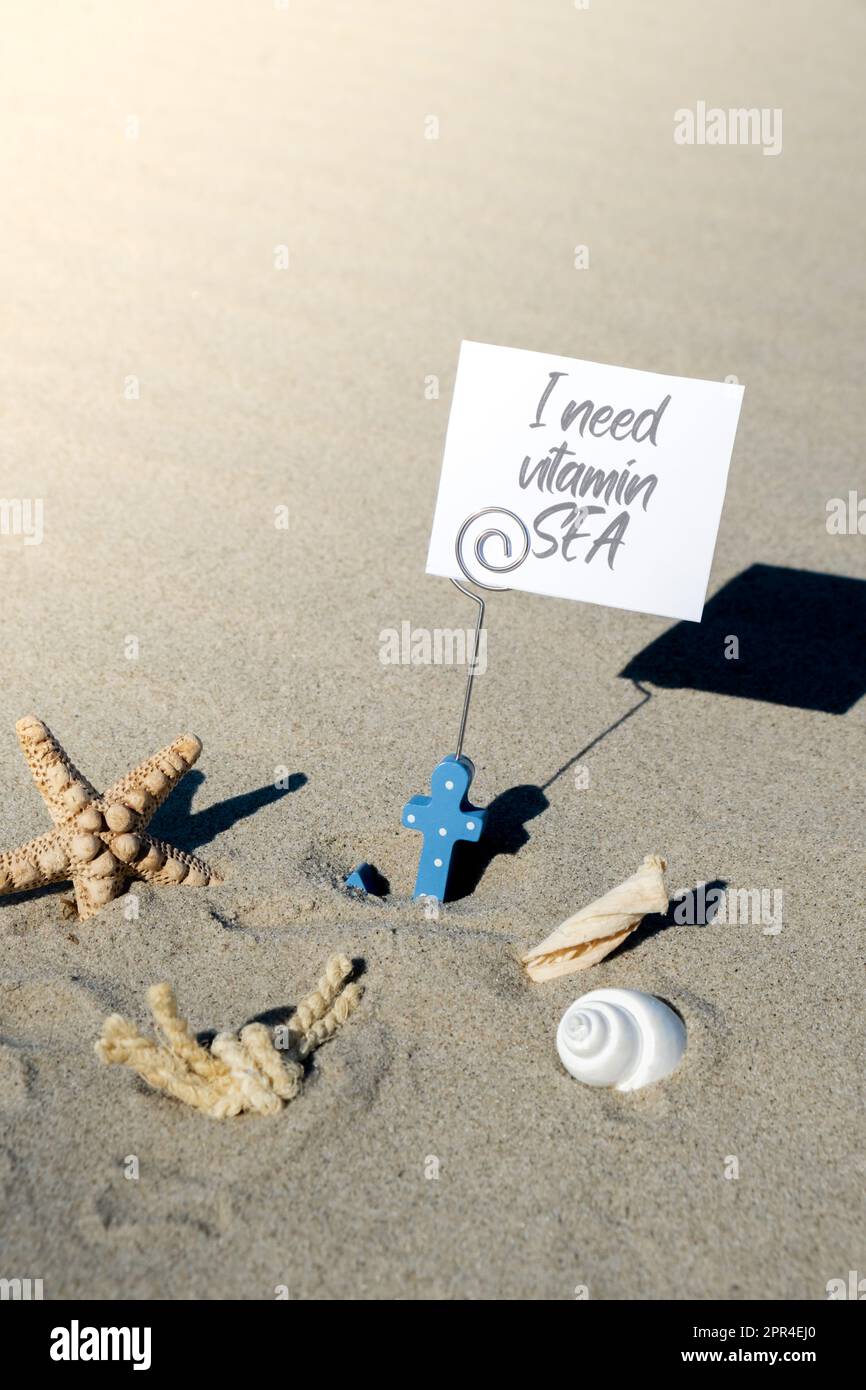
x: 442, y: 830
x: 411, y: 820
x: 438, y: 863
x: 449, y: 786
x: 470, y: 825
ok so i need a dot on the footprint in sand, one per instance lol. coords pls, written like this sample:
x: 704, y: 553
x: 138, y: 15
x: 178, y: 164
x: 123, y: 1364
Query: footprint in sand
x: 152, y: 1209
x: 17, y: 1077
x: 41, y: 1011
x: 16, y: 1193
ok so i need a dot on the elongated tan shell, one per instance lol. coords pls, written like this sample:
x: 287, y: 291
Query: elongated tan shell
x: 596, y: 930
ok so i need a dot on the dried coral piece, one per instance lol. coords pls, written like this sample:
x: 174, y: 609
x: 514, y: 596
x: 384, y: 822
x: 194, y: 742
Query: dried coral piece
x: 596, y: 930
x: 99, y: 842
x: 237, y: 1073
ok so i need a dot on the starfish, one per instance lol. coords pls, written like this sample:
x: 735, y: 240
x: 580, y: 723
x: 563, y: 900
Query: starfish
x: 99, y: 842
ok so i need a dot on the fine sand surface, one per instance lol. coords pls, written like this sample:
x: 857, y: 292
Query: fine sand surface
x: 153, y: 258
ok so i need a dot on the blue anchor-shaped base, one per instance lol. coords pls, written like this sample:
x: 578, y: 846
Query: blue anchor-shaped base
x: 443, y: 818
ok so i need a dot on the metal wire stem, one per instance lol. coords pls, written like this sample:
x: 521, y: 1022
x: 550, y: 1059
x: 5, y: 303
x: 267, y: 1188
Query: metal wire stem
x: 495, y: 588
x: 476, y: 598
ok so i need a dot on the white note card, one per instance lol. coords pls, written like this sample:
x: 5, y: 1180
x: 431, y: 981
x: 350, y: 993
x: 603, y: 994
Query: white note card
x: 583, y: 481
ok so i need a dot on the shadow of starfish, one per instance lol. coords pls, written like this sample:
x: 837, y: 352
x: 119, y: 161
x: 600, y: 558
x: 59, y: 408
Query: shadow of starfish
x: 187, y: 829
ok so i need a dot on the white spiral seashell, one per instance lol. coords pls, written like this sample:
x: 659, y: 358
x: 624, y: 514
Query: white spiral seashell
x: 620, y: 1038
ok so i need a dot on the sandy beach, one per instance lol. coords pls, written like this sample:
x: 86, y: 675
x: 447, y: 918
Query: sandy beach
x: 234, y: 263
